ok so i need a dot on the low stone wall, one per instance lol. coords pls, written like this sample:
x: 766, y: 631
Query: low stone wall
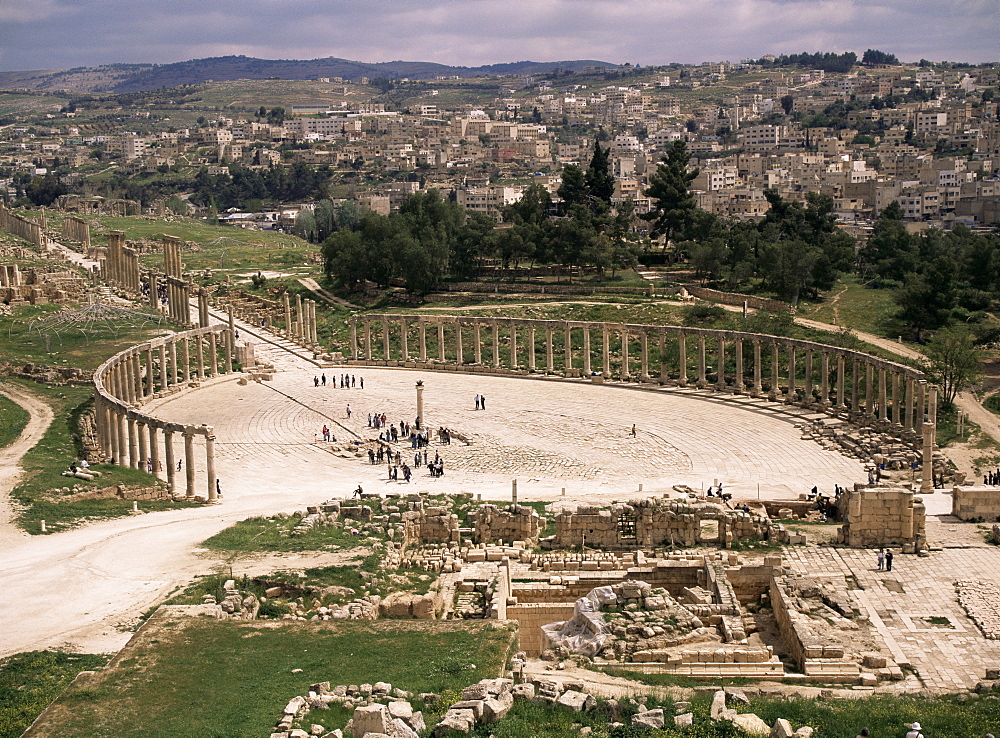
x: 433, y: 525
x: 876, y: 517
x: 976, y: 503
x: 734, y: 298
x: 531, y: 617
x: 514, y: 523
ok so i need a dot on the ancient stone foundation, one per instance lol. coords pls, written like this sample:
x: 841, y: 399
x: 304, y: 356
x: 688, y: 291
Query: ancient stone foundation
x: 876, y: 517
x: 976, y: 503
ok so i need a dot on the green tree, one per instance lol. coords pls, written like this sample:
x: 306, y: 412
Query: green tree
x: 673, y: 206
x: 954, y: 362
x: 600, y: 182
x: 573, y: 190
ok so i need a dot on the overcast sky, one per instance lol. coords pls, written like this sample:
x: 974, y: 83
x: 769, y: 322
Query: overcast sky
x: 58, y: 34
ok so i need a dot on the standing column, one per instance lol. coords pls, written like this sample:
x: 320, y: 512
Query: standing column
x: 385, y: 339
x: 532, y: 366
x: 626, y: 374
x: 154, y: 300
x: 354, y: 338
x: 824, y: 379
x: 189, y: 462
x: 213, y: 490
x: 496, y: 345
x: 441, y: 351
x: 136, y: 363
x: 549, y: 358
x: 920, y: 415
x: 213, y: 354
x: 896, y: 414
x: 883, y: 405
x: 229, y: 348
x: 664, y: 369
x: 459, y: 358
x: 568, y: 348
x: 114, y: 428
x: 174, y: 369
x: 128, y: 377
x: 643, y: 356
x: 775, y: 392
x: 758, y: 385
x: 404, y: 343
x: 855, y: 390
x: 312, y: 322
x: 740, y: 384
x: 927, y: 461
x: 702, y: 379
x: 793, y: 394
x: 720, y: 370
x: 869, y: 390
x: 512, y: 325
x: 606, y: 352
x: 908, y: 423
x: 143, y: 434
x: 164, y: 374
x: 477, y: 340
x: 299, y: 329
x: 423, y: 341
x: 200, y: 345
x: 809, y: 378
x: 168, y: 453
x: 586, y: 349
x: 133, y: 444
x: 123, y: 459
x: 368, y: 340
x: 154, y: 450
x: 186, y: 351
x: 682, y: 360
x: 289, y: 333
x: 840, y: 381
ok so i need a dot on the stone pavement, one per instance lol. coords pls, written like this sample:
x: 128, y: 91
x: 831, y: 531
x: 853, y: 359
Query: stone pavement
x: 900, y: 603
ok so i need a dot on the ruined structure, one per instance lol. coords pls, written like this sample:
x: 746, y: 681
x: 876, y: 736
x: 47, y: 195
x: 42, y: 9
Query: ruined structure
x: 36, y: 286
x: 976, y: 503
x: 120, y: 265
x: 877, y: 517
x: 77, y: 229
x: 21, y: 227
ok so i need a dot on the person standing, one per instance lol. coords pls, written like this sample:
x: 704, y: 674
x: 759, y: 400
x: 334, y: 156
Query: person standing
x: 482, y: 402
x: 915, y: 731
x: 348, y: 412
x: 477, y: 402
x: 881, y: 559
x: 888, y: 560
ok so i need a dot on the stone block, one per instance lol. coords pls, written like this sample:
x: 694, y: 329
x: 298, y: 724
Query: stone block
x: 781, y: 729
x: 370, y: 719
x: 576, y: 701
x: 649, y: 719
x: 751, y: 724
x: 684, y: 720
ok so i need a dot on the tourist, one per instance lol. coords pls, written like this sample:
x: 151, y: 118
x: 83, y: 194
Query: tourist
x: 881, y: 559
x: 362, y: 381
x: 316, y: 381
x: 84, y: 464
x: 633, y: 430
x: 179, y: 462
x: 477, y: 402
x: 888, y: 560
x: 406, y: 473
x: 322, y: 379
x: 915, y: 731
x: 482, y: 402
x: 348, y: 412
x: 352, y: 381
x: 358, y: 492
x: 218, y: 488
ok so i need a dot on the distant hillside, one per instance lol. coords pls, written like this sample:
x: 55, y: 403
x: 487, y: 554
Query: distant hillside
x: 142, y: 77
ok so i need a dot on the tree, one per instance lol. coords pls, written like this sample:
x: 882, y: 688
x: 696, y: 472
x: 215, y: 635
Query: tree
x: 787, y: 101
x: 45, y: 190
x: 600, y: 182
x: 673, y: 206
x: 874, y: 58
x: 573, y: 190
x: 954, y: 362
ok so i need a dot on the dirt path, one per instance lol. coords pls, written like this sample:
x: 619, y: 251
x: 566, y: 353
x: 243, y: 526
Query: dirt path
x: 10, y: 457
x: 311, y: 284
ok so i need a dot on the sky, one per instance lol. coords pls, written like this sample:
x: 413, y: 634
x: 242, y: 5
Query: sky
x: 60, y: 34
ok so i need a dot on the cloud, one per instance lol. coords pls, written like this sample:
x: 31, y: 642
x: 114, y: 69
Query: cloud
x: 66, y: 33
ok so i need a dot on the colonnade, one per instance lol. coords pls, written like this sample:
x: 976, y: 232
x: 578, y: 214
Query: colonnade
x: 121, y: 266
x: 303, y: 327
x: 77, y: 229
x: 826, y: 378
x: 132, y: 377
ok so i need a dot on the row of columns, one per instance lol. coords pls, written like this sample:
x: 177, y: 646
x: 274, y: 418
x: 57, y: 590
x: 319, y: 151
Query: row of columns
x: 77, y: 229
x: 302, y: 326
x: 891, y: 392
x: 130, y: 378
x: 121, y: 264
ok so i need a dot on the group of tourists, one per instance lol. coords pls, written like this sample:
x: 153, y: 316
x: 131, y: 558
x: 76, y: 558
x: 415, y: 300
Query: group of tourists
x: 347, y: 381
x: 480, y: 402
x: 992, y: 478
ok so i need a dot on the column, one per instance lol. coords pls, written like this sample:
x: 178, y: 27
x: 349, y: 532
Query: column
x: 136, y: 364
x: 213, y: 495
x: 441, y: 351
x: 169, y: 461
x: 385, y: 339
x: 883, y: 405
x: 920, y: 414
x: 927, y: 462
x: 896, y: 414
x: 459, y: 358
x: 606, y: 349
x: 643, y: 356
x: 824, y: 379
x: 496, y: 345
x: 512, y: 325
x: 855, y: 376
x: 841, y: 368
x: 288, y: 316
x: 792, y: 394
x: 568, y: 348
x: 154, y: 449
x: 143, y: 434
x: 702, y: 379
x: 423, y: 341
x: 626, y: 373
x: 531, y: 347
x: 809, y: 377
x: 133, y: 444
x: 164, y: 375
x: 586, y: 349
x: 740, y: 384
x: 368, y: 340
x: 114, y: 440
x: 549, y: 358
x: 186, y: 350
x: 477, y: 340
x: 720, y: 370
x: 908, y: 423
x: 213, y: 354
x: 122, y: 439
x: 200, y: 345
x: 682, y: 360
x: 354, y: 338
x: 758, y: 385
x: 299, y: 332
x: 404, y: 340
x: 174, y: 369
x: 774, y: 393
x: 189, y: 462
x: 229, y: 348
x: 869, y: 389
x: 664, y: 369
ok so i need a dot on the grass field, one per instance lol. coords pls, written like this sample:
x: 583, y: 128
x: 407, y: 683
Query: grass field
x: 208, y: 678
x: 13, y: 418
x: 852, y: 304
x: 271, y: 534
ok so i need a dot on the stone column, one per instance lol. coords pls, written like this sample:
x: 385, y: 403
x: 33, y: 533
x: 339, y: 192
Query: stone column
x: 870, y: 397
x: 932, y: 404
x: 792, y: 393
x: 186, y: 351
x: 908, y: 423
x: 213, y: 490
x: 883, y: 404
x: 354, y: 338
x: 123, y: 459
x: 143, y: 434
x: 775, y: 392
x: 702, y: 379
x: 626, y: 372
x: 200, y: 345
x: 682, y: 360
x: 568, y: 349
x: 299, y: 328
x: 169, y: 461
x: 758, y: 384
x: 137, y: 374
x: 404, y: 340
x: 229, y: 348
x: 164, y: 374
x: 586, y: 349
x: 664, y: 369
x: 720, y: 369
x: 174, y: 368
x: 496, y: 344
x: 855, y: 390
x: 477, y: 340
x: 459, y: 358
x: 420, y: 403
x: 512, y: 327
x: 213, y: 354
x: 824, y: 379
x: 896, y: 414
x: 423, y: 341
x: 154, y: 449
x: 531, y: 347
x: 154, y: 299
x: 740, y: 384
x: 809, y: 377
x: 841, y: 368
x: 549, y: 358
x: 920, y: 416
x: 386, y: 353
x: 202, y: 308
x: 927, y: 461
x: 114, y: 443
x: 441, y: 352
x: 128, y: 379
x: 368, y: 340
x: 643, y: 356
x: 288, y: 317
x: 606, y: 349
x: 189, y: 462
x: 133, y: 444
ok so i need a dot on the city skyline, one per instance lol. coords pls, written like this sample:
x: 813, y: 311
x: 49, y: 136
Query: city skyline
x: 59, y: 34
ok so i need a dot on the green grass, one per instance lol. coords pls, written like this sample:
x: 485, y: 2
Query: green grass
x: 856, y: 306
x: 13, y: 418
x: 53, y: 454
x: 30, y: 681
x: 265, y: 534
x: 199, y: 677
x: 992, y: 404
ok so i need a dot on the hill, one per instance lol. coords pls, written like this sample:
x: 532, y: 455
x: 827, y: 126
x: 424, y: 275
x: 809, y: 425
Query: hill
x: 118, y: 78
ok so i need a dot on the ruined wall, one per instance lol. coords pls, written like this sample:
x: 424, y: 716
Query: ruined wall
x: 881, y: 516
x: 976, y: 503
x: 433, y: 525
x: 513, y: 523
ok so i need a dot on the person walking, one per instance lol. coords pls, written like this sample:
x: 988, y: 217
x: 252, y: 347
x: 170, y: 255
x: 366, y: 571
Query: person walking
x: 633, y: 430
x: 322, y: 379
x: 888, y: 560
x: 218, y: 488
x: 348, y: 412
x: 881, y: 559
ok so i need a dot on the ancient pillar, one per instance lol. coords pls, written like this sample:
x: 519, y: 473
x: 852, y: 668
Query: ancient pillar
x: 289, y: 333
x: 531, y: 347
x: 404, y: 340
x: 163, y: 375
x: 702, y: 379
x: 793, y: 394
x: 477, y: 340
x: 664, y: 369
x: 354, y: 338
x: 133, y: 444
x: 869, y: 389
x: 386, y: 354
x: 512, y: 325
x: 154, y: 300
x: 927, y: 459
x: 441, y: 352
x: 186, y: 355
x: 908, y: 423
x: 883, y: 404
x: 809, y: 378
x: 758, y: 384
x: 229, y: 348
x: 774, y: 393
x: 921, y: 409
x: 154, y: 449
x: 643, y: 356
x: 824, y: 378
x: 168, y: 453
x: 420, y: 404
x: 549, y: 358
x: 114, y: 443
x: 211, y: 482
x: 855, y: 385
x: 148, y: 389
x: 122, y: 439
x: 720, y: 370
x: 459, y: 358
x: 174, y: 368
x: 496, y: 344
x: 682, y: 360
x: 368, y: 340
x: 568, y: 348
x: 606, y: 352
x: 840, y: 381
x: 189, y: 462
x: 423, y: 341
x: 200, y: 345
x: 299, y: 328
x: 896, y: 414
x: 143, y: 436
x: 586, y: 349
x: 626, y: 372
